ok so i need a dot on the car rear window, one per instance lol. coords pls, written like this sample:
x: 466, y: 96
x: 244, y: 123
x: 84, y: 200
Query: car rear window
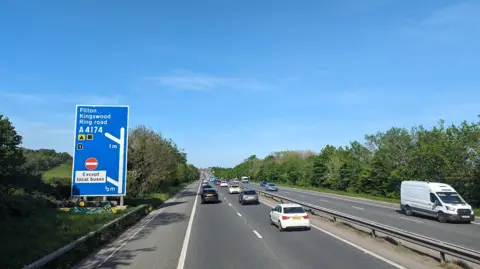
x: 250, y: 192
x: 293, y: 210
x: 235, y: 186
x: 209, y: 191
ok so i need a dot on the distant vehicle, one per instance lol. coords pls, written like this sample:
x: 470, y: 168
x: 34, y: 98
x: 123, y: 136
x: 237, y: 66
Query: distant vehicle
x: 207, y: 186
x: 248, y: 197
x: 209, y: 195
x: 262, y: 183
x: 245, y: 179
x: 270, y: 187
x: 217, y: 182
x: 235, y: 181
x: 234, y: 188
x: 437, y: 200
x: 223, y: 183
x: 286, y: 216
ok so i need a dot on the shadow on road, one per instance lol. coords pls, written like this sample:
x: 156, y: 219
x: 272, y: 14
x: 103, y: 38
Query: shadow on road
x: 188, y: 193
x: 171, y: 204
x: 123, y: 258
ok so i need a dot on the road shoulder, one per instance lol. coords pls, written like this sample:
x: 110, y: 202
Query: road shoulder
x: 154, y: 241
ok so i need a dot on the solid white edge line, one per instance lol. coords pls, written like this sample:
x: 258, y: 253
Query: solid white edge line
x: 134, y: 234
x: 239, y: 214
x: 257, y: 234
x: 230, y: 204
x: 414, y: 220
x: 183, y: 253
x: 392, y: 263
x: 359, y: 208
x: 360, y: 248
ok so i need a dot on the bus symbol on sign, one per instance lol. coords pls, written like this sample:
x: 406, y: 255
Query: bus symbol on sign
x: 91, y: 163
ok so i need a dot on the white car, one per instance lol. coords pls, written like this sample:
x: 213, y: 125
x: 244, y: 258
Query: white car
x: 286, y: 216
x: 235, y: 181
x: 234, y: 189
x: 223, y: 184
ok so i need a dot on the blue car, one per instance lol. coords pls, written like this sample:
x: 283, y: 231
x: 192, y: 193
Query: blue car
x: 270, y: 187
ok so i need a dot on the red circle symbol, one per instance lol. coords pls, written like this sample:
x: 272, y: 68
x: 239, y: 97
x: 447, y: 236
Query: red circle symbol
x: 91, y: 163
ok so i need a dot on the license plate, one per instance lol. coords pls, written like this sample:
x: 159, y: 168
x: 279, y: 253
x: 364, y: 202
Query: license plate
x: 209, y: 195
x: 466, y: 217
x: 250, y: 197
x: 296, y: 218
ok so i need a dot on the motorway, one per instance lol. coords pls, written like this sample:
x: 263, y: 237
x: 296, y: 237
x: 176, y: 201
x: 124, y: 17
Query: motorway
x: 467, y: 235
x: 188, y: 234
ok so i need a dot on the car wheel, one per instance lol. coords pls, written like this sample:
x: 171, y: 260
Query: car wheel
x: 243, y: 203
x: 441, y: 217
x: 271, y: 221
x: 280, y: 226
x: 408, y: 211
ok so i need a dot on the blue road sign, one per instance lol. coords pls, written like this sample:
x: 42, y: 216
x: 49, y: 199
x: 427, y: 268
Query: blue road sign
x: 100, y: 153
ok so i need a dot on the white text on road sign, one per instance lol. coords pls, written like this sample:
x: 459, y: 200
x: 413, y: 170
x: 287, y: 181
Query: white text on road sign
x: 90, y: 177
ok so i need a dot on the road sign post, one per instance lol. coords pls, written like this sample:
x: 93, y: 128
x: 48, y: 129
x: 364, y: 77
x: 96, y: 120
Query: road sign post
x: 100, y: 151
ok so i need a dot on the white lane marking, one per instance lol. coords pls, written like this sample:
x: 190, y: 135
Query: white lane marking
x: 136, y: 232
x: 366, y: 251
x: 359, y: 208
x: 414, y: 220
x: 302, y: 195
x: 394, y: 264
x: 183, y: 254
x: 229, y: 204
x: 326, y: 201
x: 475, y: 223
x: 257, y: 234
x: 239, y: 214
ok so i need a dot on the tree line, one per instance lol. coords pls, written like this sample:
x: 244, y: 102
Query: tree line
x: 155, y: 163
x: 448, y: 154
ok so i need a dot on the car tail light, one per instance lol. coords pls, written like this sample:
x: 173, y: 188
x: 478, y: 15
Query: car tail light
x: 305, y: 217
x: 285, y: 217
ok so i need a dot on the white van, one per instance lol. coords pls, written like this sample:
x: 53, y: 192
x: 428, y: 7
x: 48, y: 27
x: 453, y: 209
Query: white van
x: 435, y: 200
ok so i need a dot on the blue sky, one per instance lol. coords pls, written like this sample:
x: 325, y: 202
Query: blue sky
x: 227, y: 79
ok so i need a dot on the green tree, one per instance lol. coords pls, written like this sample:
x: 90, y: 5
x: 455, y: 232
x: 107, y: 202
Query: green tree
x: 11, y: 155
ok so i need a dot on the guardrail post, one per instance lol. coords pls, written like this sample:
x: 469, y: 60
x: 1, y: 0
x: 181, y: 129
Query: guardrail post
x: 374, y: 235
x: 442, y: 257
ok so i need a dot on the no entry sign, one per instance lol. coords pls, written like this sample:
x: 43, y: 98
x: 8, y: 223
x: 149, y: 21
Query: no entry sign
x: 91, y: 163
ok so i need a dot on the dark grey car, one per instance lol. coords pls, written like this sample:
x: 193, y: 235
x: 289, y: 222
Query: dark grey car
x: 248, y: 197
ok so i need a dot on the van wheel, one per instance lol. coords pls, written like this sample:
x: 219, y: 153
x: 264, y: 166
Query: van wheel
x: 441, y: 217
x: 408, y: 211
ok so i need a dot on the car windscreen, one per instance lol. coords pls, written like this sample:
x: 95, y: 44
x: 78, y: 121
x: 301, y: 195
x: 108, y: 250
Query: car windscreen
x: 450, y: 198
x: 271, y: 184
x: 249, y: 192
x: 293, y: 210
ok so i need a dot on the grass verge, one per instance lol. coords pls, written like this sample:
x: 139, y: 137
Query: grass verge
x: 29, y: 239
x: 62, y: 171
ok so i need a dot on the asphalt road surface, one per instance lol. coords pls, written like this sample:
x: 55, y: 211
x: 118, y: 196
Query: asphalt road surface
x: 226, y: 235
x: 467, y: 235
x: 229, y: 235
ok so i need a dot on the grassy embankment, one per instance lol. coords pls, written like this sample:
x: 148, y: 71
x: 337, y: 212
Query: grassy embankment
x: 351, y: 194
x: 28, y: 239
